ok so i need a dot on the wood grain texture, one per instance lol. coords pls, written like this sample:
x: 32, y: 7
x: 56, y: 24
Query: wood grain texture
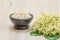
x: 7, y: 32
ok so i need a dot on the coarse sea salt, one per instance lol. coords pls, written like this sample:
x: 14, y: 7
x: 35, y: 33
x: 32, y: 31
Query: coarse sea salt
x: 21, y: 16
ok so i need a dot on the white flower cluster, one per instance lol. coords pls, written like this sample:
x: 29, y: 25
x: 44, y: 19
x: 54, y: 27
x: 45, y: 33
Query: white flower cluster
x: 47, y: 24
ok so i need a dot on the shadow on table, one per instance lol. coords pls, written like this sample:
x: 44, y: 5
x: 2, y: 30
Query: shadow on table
x: 21, y: 31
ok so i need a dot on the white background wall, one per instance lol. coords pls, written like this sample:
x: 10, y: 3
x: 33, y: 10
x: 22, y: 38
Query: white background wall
x: 32, y: 6
x: 36, y: 5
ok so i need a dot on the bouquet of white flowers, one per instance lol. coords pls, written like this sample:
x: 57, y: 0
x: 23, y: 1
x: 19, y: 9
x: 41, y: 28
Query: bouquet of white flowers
x: 47, y: 25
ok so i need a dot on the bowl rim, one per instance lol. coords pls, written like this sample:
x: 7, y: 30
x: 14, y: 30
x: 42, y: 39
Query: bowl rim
x: 10, y: 16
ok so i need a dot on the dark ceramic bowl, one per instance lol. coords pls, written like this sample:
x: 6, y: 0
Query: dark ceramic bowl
x: 21, y: 23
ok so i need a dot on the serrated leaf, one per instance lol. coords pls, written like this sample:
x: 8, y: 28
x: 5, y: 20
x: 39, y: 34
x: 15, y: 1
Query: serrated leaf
x: 53, y: 37
x: 36, y: 33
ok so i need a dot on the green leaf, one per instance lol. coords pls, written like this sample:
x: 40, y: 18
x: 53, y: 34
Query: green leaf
x: 36, y: 33
x: 53, y: 37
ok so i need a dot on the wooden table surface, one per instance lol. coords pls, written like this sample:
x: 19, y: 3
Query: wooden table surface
x: 7, y: 31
